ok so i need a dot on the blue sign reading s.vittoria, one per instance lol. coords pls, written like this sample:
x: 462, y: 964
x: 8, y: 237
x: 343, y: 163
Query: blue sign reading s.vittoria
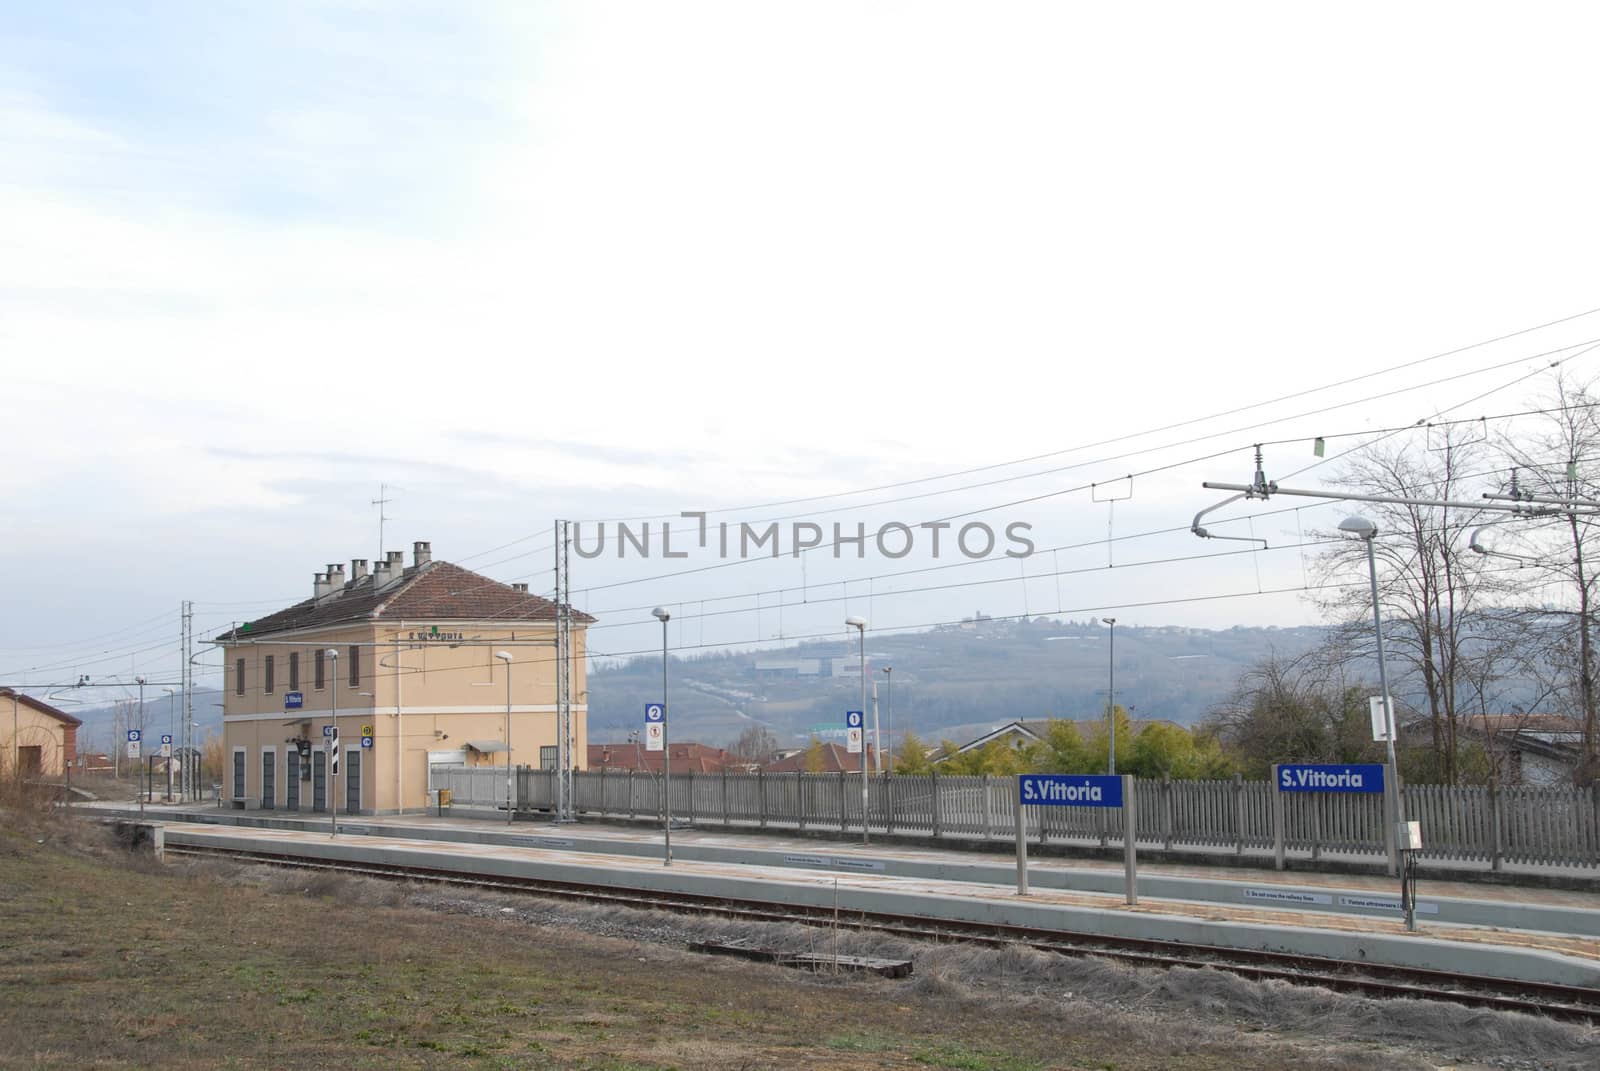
x: 1308, y: 777
x: 1069, y: 790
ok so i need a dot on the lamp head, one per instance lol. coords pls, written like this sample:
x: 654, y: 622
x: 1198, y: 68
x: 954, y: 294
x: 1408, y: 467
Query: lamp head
x: 1358, y: 526
x: 332, y: 653
x: 660, y: 614
x: 504, y: 656
x: 1108, y: 620
x: 856, y: 622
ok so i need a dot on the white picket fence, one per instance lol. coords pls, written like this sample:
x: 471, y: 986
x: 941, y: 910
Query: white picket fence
x: 1523, y: 825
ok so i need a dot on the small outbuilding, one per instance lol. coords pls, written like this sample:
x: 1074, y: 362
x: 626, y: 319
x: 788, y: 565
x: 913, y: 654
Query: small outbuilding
x: 39, y: 739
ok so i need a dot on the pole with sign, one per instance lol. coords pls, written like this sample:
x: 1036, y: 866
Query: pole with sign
x: 166, y: 753
x: 1081, y: 790
x: 854, y: 731
x: 655, y: 739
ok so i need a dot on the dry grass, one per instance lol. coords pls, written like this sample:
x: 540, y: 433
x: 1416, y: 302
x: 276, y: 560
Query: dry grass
x: 110, y: 962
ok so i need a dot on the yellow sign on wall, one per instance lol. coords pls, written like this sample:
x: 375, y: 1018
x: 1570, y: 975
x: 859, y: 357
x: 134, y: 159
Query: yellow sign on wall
x: 366, y: 730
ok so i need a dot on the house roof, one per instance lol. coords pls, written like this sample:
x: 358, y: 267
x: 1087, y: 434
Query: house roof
x: 835, y: 759
x: 42, y: 707
x: 687, y: 757
x: 1036, y: 730
x: 435, y: 590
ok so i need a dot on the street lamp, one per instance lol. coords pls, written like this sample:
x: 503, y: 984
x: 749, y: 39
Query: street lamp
x: 141, y: 743
x: 333, y: 812
x: 1368, y: 531
x: 860, y: 625
x: 1111, y: 696
x: 505, y: 656
x: 888, y: 702
x: 661, y: 615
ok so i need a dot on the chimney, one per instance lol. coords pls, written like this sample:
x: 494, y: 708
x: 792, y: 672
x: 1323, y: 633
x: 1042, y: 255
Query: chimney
x: 358, y: 568
x: 397, y: 561
x: 335, y: 576
x: 319, y: 585
x: 380, y: 573
x: 421, y: 553
x: 520, y: 588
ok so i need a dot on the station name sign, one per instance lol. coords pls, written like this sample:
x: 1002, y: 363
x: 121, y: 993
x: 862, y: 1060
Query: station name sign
x: 1069, y: 790
x: 435, y: 636
x: 1305, y: 777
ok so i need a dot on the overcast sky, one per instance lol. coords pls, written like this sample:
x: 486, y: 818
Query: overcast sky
x: 601, y: 260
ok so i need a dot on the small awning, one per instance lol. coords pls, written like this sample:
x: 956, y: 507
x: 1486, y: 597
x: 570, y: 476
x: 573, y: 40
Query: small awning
x: 488, y: 747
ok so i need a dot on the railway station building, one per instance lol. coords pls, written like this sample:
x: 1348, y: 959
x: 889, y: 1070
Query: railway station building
x: 408, y: 657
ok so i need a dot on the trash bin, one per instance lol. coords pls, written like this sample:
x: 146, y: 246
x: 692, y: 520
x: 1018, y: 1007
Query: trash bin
x: 444, y: 800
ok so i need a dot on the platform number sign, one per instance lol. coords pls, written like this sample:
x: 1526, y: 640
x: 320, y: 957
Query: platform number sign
x: 134, y: 737
x: 655, y: 725
x: 166, y: 745
x: 853, y: 731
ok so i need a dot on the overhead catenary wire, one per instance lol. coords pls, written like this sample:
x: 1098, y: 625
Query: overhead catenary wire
x: 1121, y: 438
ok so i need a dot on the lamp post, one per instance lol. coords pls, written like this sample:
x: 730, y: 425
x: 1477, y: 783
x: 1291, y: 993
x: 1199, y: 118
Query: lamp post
x: 172, y: 732
x: 1368, y: 531
x: 505, y: 656
x: 332, y: 656
x: 141, y: 743
x: 1111, y: 697
x: 888, y: 702
x: 860, y: 625
x: 662, y: 616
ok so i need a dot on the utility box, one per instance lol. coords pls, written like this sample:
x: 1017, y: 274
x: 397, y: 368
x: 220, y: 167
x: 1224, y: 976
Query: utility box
x: 444, y: 800
x: 1408, y: 836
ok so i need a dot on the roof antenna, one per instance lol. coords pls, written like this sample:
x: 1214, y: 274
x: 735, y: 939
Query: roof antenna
x: 381, y: 501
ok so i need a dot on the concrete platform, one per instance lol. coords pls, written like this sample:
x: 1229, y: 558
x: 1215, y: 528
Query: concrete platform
x: 1530, y: 910
x: 1463, y: 949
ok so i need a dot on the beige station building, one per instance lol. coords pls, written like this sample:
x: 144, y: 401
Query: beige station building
x: 409, y: 655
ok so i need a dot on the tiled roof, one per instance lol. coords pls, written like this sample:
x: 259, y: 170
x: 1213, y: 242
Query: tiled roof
x: 435, y: 590
x: 686, y: 758
x: 835, y: 759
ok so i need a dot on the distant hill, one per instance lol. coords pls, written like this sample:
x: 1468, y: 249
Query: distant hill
x: 950, y: 681
x: 98, y: 721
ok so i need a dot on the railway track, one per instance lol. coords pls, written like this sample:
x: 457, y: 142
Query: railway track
x: 1572, y: 1003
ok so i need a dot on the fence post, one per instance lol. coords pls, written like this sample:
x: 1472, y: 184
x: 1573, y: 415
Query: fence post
x: 933, y: 800
x: 761, y: 795
x: 1280, y: 853
x: 1316, y: 827
x: 1238, y: 814
x: 800, y: 796
x: 988, y: 819
x: 690, y: 808
x: 1167, y: 820
x: 843, y: 798
x: 724, y: 795
x: 1022, y: 838
x: 888, y: 796
x: 1496, y: 829
x: 1130, y: 840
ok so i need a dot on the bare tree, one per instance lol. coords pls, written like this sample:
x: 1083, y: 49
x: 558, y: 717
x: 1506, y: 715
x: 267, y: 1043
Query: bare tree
x: 1428, y: 579
x: 1299, y: 709
x: 1558, y: 461
x: 756, y: 744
